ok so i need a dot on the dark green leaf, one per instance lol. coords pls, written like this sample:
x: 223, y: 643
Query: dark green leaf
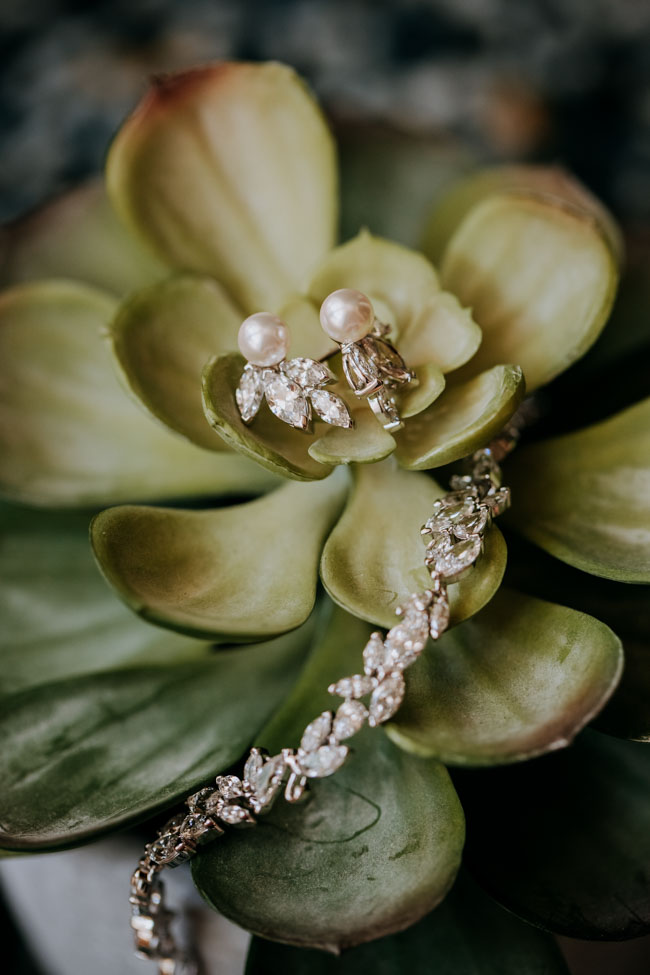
x: 564, y: 841
x: 467, y: 935
x: 96, y: 752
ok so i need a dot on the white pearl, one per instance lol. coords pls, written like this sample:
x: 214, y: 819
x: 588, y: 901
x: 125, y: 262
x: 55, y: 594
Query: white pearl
x: 347, y: 315
x: 263, y: 339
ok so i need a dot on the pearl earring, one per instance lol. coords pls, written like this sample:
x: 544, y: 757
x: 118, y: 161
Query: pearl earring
x: 292, y: 387
x: 372, y: 366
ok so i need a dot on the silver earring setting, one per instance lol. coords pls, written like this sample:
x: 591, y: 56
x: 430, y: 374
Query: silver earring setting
x: 293, y: 388
x: 373, y: 367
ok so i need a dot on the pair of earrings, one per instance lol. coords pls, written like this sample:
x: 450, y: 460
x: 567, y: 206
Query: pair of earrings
x: 295, y: 388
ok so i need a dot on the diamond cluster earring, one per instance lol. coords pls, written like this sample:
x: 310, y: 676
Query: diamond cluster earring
x: 373, y: 367
x: 294, y: 388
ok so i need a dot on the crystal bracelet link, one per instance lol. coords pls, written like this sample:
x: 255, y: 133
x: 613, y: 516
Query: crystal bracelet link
x: 454, y: 537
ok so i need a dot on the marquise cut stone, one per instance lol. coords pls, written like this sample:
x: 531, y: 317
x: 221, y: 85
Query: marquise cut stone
x: 249, y: 393
x: 349, y: 719
x: 374, y: 654
x: 229, y: 786
x: 352, y: 687
x: 287, y: 400
x: 317, y: 732
x: 459, y: 513
x: 331, y: 408
x: 307, y: 372
x: 450, y: 557
x: 386, y: 700
x: 323, y: 762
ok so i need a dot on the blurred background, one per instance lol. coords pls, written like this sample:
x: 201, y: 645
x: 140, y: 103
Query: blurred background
x: 422, y: 88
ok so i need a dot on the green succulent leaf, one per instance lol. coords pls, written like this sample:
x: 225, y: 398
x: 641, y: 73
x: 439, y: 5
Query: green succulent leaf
x: 69, y: 435
x: 563, y: 842
x: 241, y: 573
x: 431, y: 325
x: 366, y: 443
x: 78, y: 236
x: 540, y: 277
x: 273, y: 444
x: 229, y: 170
x: 97, y: 752
x: 468, y: 934
x: 585, y: 497
x: 59, y: 618
x: 623, y: 607
x: 465, y: 417
x: 163, y: 337
x: 371, y: 850
x: 519, y: 679
x: 550, y: 184
x: 430, y: 384
x: 374, y: 557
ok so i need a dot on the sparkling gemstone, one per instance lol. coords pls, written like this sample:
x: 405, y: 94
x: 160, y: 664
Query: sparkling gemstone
x: 459, y: 513
x: 325, y: 761
x: 230, y: 786
x: 194, y: 827
x: 331, y: 408
x: 264, y: 777
x: 485, y: 466
x: 385, y: 409
x: 349, y: 719
x: 386, y: 699
x: 253, y: 766
x: 288, y: 402
x: 356, y: 686
x: 406, y: 641
x: 374, y: 654
x: 499, y: 501
x: 307, y: 372
x: 451, y: 558
x: 249, y: 393
x: 235, y: 814
x: 439, y: 617
x: 317, y: 732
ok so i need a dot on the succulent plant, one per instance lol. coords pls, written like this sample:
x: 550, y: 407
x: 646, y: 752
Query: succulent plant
x: 117, y: 379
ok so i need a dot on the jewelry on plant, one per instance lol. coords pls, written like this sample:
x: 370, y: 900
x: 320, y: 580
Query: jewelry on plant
x: 372, y: 366
x: 454, y: 535
x: 292, y: 387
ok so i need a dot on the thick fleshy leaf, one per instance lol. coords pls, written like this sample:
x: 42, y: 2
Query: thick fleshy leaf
x: 465, y: 417
x: 96, y: 752
x: 585, y: 497
x: 540, y: 277
x: 78, y: 236
x: 374, y: 557
x: 623, y: 607
x: 430, y: 385
x: 563, y: 842
x: 430, y: 325
x: 366, y: 443
x: 519, y: 679
x: 239, y: 573
x: 230, y: 170
x: 273, y: 444
x: 59, y: 618
x: 468, y: 934
x: 372, y: 849
x: 69, y: 434
x: 163, y: 337
x: 549, y: 184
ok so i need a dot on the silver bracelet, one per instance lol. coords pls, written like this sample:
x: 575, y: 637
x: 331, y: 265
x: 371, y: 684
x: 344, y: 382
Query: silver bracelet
x: 453, y: 535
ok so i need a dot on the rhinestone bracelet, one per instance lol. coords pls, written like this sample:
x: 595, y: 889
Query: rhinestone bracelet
x: 453, y: 535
